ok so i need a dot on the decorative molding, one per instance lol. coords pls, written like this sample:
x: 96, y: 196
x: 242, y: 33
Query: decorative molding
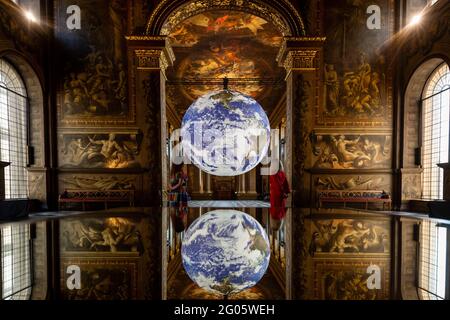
x: 299, y: 53
x: 151, y: 52
x: 300, y: 60
x: 150, y: 59
x: 162, y: 23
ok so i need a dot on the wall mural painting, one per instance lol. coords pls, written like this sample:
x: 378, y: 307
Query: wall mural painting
x: 348, y: 280
x: 93, y: 182
x: 115, y: 234
x: 411, y: 186
x: 351, y: 151
x: 359, y: 182
x: 349, y: 236
x: 102, y: 279
x: 95, y: 82
x: 355, y: 76
x: 237, y: 45
x: 113, y: 151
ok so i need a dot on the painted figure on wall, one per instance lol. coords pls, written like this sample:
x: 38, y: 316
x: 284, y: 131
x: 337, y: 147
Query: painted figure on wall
x: 352, y: 183
x: 100, y: 151
x: 351, y: 152
x: 94, y: 77
x: 355, y: 72
x: 102, y: 183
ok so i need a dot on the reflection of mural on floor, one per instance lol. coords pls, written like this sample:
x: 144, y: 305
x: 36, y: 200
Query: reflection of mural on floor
x: 102, y: 279
x: 104, y: 235
x: 347, y: 285
x: 349, y: 236
x: 351, y: 279
x: 181, y: 287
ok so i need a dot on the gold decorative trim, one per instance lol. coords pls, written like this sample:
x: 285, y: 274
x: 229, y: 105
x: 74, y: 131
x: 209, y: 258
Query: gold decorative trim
x: 300, y: 60
x: 145, y: 38
x: 261, y: 8
x: 149, y: 59
x: 299, y: 53
x: 154, y: 59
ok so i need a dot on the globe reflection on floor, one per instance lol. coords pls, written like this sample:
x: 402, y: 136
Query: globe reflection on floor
x: 225, y: 251
x: 225, y: 133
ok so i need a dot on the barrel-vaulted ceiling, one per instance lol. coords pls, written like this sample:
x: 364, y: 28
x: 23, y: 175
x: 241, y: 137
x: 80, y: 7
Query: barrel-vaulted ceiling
x: 217, y: 44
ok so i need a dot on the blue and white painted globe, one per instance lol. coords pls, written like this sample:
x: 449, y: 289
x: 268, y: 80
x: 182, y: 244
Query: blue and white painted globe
x: 225, y: 251
x: 225, y: 133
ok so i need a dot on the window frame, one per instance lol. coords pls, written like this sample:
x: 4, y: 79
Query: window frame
x: 420, y: 290
x: 26, y: 289
x: 27, y: 112
x: 421, y: 102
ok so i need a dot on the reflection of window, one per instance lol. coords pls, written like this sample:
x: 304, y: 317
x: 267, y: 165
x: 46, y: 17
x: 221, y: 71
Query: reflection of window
x: 15, y: 262
x: 13, y: 130
x: 433, y: 261
x: 435, y: 112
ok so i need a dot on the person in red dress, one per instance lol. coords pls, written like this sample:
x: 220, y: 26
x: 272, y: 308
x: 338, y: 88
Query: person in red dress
x: 279, y: 191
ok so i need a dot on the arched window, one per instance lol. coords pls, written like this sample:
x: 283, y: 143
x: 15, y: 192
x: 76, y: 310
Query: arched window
x: 435, y: 143
x: 13, y: 130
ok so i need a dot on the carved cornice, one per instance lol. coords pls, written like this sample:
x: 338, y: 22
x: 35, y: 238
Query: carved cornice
x: 299, y: 53
x: 300, y: 60
x: 150, y: 59
x: 151, y: 52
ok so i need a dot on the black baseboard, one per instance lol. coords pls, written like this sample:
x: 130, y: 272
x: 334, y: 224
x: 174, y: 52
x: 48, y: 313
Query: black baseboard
x: 17, y: 208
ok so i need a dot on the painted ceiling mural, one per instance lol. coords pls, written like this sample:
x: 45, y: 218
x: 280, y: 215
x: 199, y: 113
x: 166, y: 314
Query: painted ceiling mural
x: 236, y: 45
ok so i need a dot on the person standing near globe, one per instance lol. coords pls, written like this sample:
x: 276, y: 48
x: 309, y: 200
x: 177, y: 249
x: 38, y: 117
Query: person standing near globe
x: 279, y: 191
x: 178, y: 197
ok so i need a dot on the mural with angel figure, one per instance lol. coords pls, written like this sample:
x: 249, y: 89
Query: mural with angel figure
x: 351, y: 151
x: 113, y: 151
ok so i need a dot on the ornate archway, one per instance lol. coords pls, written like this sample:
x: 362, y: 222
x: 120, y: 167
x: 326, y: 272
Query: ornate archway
x: 281, y: 13
x: 299, y: 55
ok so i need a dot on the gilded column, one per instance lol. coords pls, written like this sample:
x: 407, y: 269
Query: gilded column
x: 300, y: 57
x: 200, y: 178
x: 151, y: 55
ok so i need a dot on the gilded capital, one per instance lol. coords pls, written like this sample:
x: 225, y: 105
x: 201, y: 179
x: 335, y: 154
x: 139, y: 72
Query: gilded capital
x: 153, y: 59
x: 151, y: 52
x: 300, y: 60
x: 299, y: 53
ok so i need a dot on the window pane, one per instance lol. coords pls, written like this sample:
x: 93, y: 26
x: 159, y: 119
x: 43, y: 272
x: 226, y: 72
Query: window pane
x: 15, y: 262
x: 436, y: 114
x: 13, y: 131
x: 433, y: 260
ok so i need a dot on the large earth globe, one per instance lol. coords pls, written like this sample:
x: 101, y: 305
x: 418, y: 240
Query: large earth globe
x: 225, y: 252
x: 225, y: 133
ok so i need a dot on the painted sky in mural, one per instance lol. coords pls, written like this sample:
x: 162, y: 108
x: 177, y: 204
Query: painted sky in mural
x: 214, y: 45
